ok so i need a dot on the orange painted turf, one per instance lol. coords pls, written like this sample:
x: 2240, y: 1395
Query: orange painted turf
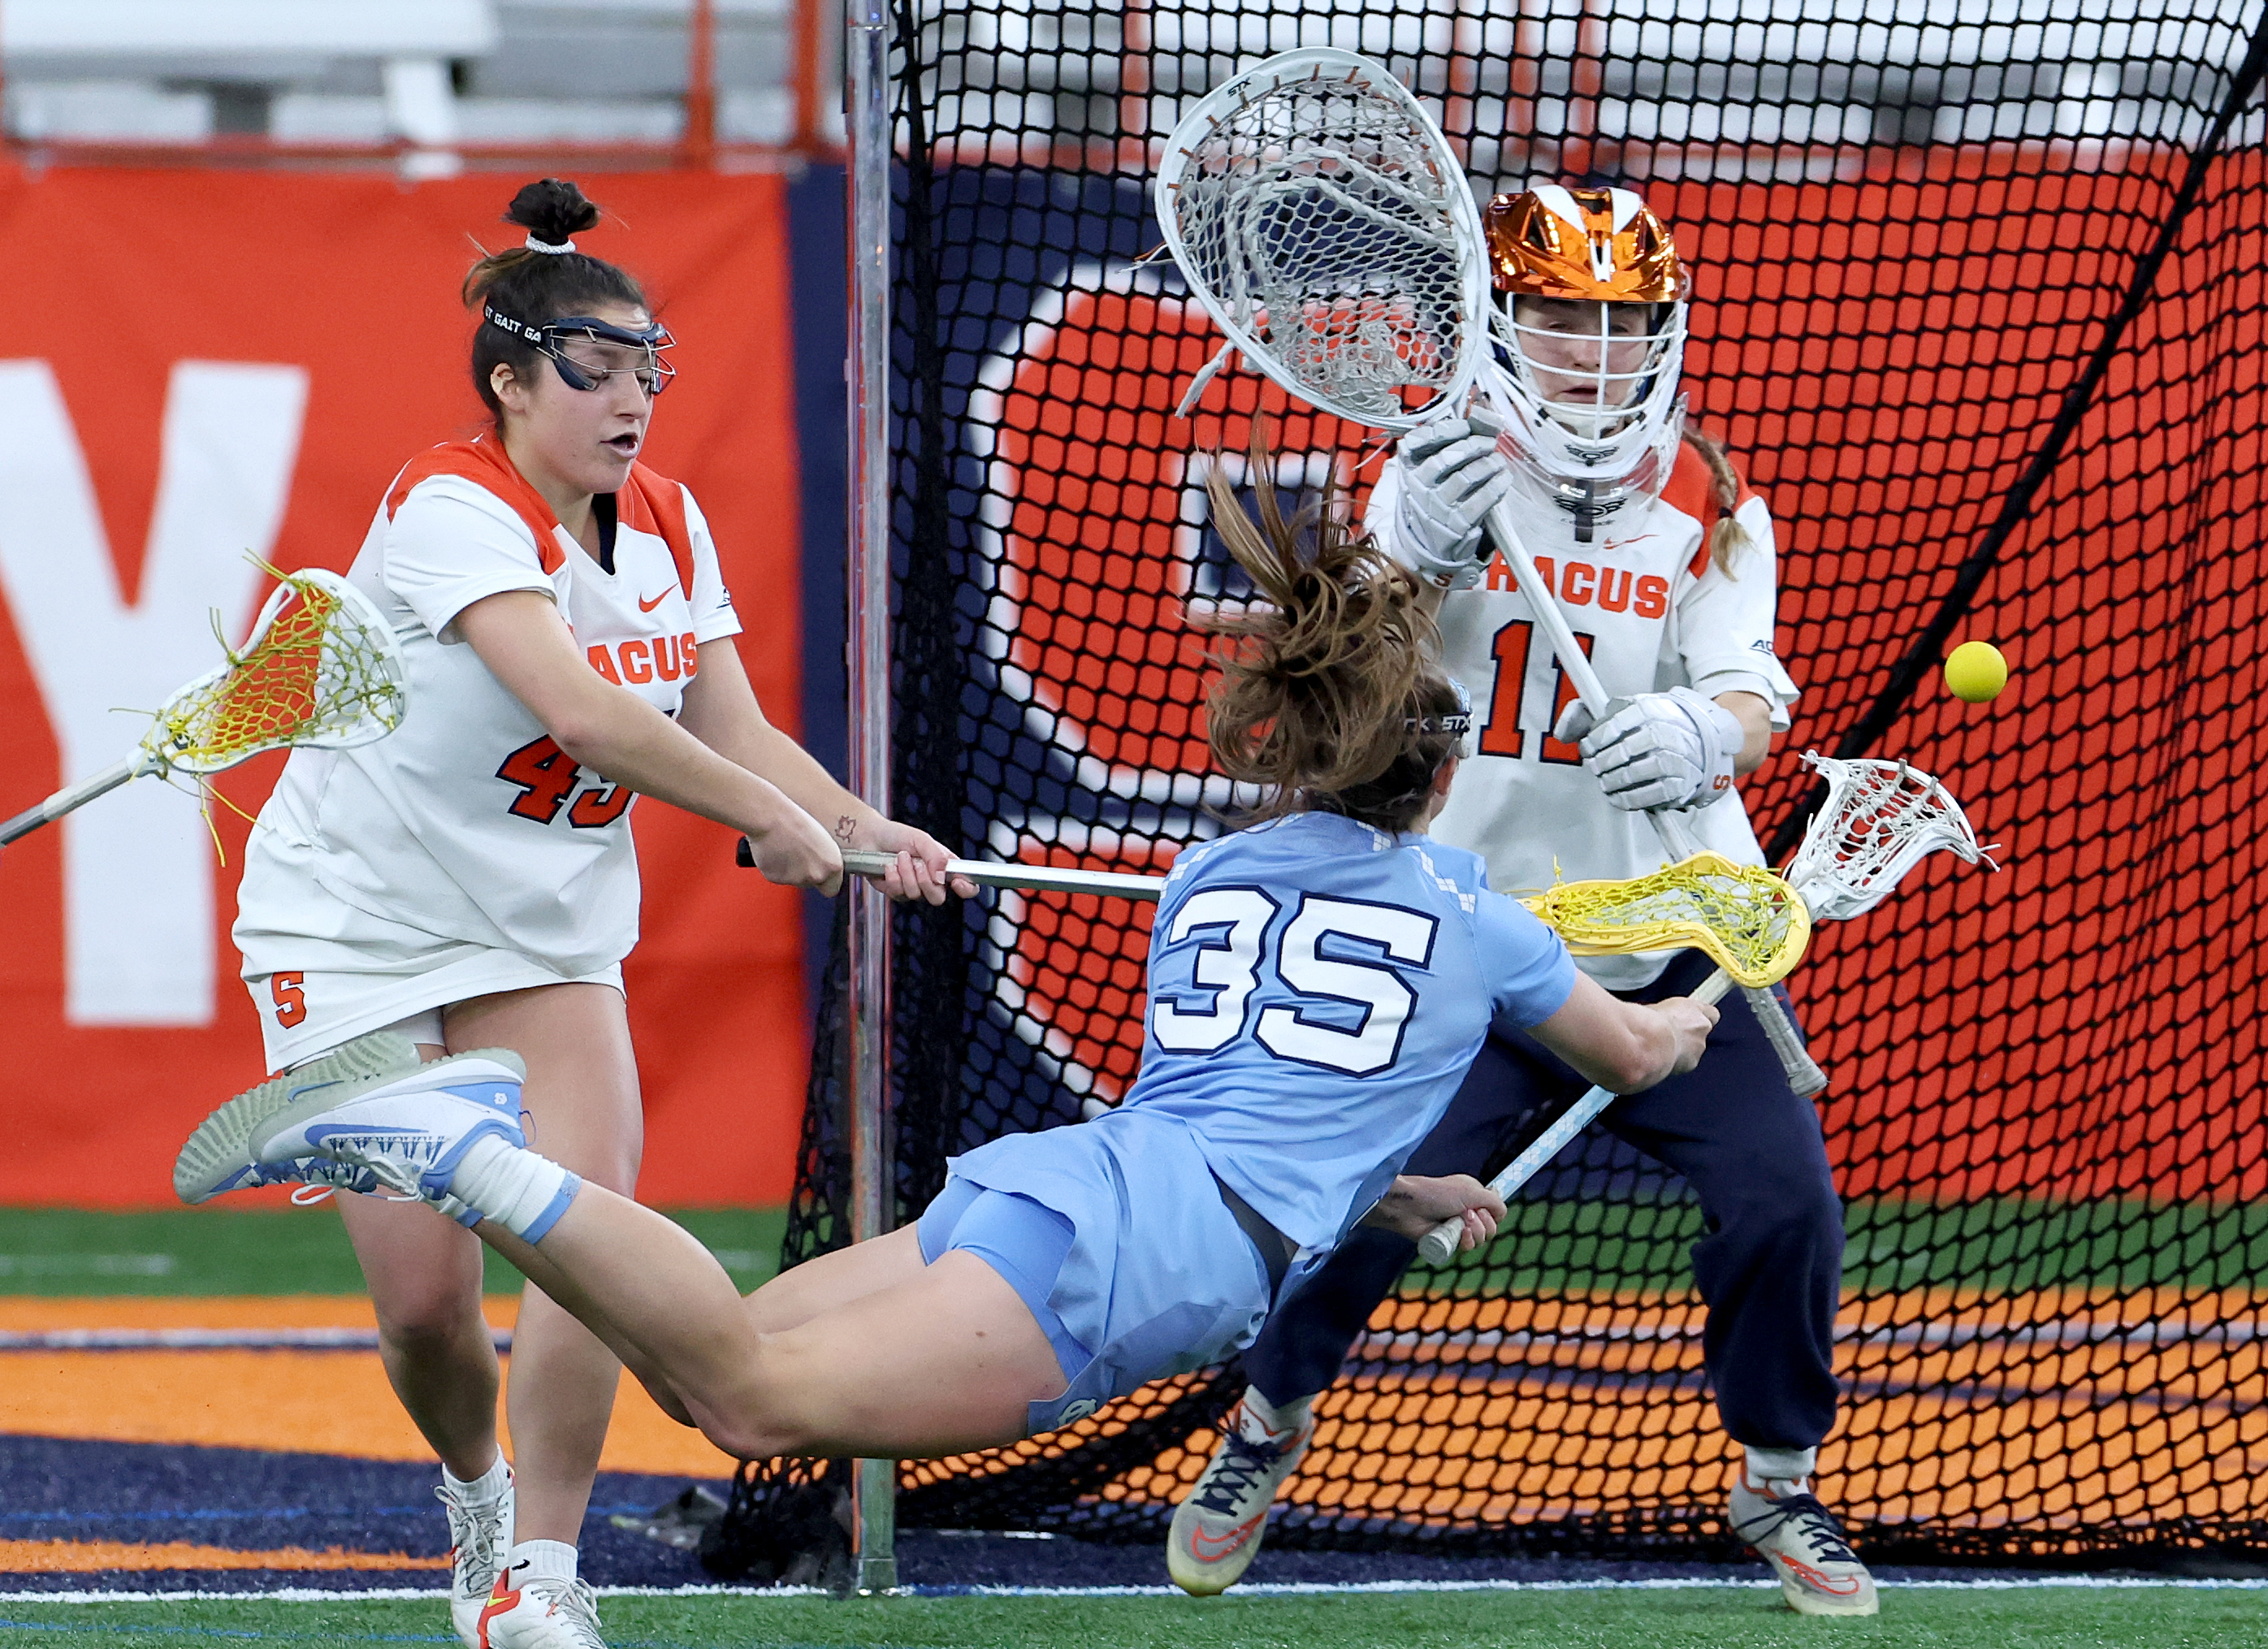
x: 2152, y: 1402
x: 326, y: 1402
x: 1975, y: 1412
x: 95, y: 1556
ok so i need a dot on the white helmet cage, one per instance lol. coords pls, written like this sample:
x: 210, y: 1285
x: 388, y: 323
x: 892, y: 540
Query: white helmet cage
x: 1609, y: 444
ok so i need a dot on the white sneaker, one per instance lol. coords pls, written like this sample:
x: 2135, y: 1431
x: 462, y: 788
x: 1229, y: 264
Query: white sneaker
x: 219, y: 1156
x: 1216, y: 1530
x: 480, y: 1540
x: 401, y: 1131
x: 541, y: 1613
x: 1819, y: 1573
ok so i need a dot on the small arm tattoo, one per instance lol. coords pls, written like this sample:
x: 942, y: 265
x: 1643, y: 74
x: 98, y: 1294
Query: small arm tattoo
x: 845, y: 827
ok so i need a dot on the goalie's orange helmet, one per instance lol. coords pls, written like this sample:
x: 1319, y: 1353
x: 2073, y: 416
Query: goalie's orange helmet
x: 1595, y: 246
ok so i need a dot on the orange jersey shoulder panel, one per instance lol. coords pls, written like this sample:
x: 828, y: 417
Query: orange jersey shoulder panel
x: 649, y: 502
x: 483, y: 463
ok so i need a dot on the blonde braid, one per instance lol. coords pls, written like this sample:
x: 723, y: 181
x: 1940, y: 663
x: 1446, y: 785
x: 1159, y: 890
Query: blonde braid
x: 1728, y: 539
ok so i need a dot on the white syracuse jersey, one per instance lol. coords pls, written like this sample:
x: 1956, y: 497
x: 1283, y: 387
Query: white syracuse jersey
x: 1653, y: 610
x: 467, y: 822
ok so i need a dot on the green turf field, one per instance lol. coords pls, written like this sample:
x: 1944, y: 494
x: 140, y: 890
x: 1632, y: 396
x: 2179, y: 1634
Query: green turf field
x: 2003, y: 1245
x: 2052, y: 1617
x: 281, y: 1251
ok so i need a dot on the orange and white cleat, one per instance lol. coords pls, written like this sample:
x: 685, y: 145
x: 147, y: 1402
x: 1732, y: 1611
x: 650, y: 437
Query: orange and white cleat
x: 1218, y: 1529
x: 540, y: 1612
x: 1786, y: 1526
x: 480, y: 1540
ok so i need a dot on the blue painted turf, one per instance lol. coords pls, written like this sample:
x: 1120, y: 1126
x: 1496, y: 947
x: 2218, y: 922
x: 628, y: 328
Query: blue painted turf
x: 246, y: 1500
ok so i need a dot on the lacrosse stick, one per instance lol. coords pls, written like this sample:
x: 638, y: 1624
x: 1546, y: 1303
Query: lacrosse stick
x: 1880, y: 819
x: 1038, y: 878
x: 1323, y: 221
x: 321, y: 668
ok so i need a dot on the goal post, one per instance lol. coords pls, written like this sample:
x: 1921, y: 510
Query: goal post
x: 873, y: 1210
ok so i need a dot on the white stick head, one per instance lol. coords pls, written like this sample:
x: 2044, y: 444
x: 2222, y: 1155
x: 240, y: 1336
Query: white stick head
x: 1880, y: 819
x: 1325, y: 224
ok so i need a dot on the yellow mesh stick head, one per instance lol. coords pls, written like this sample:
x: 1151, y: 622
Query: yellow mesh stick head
x: 1751, y: 921
x: 322, y: 668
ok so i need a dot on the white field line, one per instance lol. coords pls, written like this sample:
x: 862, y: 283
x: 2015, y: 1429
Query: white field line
x: 202, y: 1339
x: 308, y: 1594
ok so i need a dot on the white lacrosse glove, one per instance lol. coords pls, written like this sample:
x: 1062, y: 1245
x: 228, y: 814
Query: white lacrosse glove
x: 1671, y: 749
x: 1451, y: 477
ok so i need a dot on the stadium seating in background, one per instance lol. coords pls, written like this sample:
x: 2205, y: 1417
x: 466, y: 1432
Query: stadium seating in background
x: 431, y: 73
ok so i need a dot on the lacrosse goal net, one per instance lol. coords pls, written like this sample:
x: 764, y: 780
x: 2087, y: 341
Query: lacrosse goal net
x: 1979, y: 312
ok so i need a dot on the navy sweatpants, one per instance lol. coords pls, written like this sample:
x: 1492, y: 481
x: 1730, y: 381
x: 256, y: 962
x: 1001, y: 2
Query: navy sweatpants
x: 1770, y: 1268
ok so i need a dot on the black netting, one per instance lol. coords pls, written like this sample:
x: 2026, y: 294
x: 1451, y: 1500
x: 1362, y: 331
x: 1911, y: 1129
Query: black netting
x: 1979, y: 312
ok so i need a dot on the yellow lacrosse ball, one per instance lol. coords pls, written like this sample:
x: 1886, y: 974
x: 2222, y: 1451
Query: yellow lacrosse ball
x: 1975, y: 672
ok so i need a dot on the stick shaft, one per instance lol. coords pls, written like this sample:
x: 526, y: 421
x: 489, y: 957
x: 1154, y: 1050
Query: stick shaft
x: 1033, y: 877
x: 1545, y: 606
x: 1439, y: 1244
x: 73, y: 796
x: 1795, y: 1061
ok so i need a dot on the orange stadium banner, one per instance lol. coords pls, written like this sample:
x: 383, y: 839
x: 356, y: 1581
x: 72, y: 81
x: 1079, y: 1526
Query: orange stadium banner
x: 215, y: 366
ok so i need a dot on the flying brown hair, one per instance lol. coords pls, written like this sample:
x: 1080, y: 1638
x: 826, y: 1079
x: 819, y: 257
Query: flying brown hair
x: 1326, y: 675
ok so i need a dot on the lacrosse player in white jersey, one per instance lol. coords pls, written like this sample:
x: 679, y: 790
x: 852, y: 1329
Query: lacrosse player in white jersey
x: 1664, y: 566
x: 471, y: 879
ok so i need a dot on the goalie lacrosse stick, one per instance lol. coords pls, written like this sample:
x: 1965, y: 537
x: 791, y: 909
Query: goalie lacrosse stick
x: 1880, y: 819
x: 321, y: 668
x: 1325, y: 224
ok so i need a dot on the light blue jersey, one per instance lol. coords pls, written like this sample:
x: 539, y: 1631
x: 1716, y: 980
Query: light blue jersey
x: 1317, y: 989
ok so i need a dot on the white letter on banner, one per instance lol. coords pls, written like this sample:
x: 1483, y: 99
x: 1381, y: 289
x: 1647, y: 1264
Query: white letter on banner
x: 138, y: 937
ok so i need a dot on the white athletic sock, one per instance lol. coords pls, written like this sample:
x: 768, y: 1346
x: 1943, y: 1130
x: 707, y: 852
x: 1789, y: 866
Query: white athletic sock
x: 1289, y: 1417
x: 484, y: 1490
x: 1777, y: 1470
x: 542, y: 1560
x: 523, y: 1193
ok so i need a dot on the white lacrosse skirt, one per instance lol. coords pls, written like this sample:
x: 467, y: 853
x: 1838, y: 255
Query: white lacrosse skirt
x: 322, y: 972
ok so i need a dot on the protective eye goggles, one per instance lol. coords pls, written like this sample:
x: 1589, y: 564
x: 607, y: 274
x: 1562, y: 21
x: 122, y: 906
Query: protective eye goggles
x: 579, y: 346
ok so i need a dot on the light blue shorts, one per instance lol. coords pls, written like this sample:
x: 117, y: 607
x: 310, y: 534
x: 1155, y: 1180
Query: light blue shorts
x: 1115, y: 1233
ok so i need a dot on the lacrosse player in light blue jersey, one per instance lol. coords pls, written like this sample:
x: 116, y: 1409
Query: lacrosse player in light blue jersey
x: 1319, y: 983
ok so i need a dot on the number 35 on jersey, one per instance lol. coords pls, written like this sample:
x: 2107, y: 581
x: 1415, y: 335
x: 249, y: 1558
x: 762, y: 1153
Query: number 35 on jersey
x: 1330, y: 992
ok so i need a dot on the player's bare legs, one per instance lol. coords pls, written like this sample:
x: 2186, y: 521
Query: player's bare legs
x: 424, y: 1272
x: 424, y: 1277
x: 886, y: 1357
x: 582, y: 1110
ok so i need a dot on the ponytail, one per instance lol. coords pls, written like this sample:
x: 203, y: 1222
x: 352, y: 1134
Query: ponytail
x: 1727, y: 540
x: 1329, y: 691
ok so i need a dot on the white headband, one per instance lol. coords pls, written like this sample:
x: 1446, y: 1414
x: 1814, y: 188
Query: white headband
x: 533, y: 245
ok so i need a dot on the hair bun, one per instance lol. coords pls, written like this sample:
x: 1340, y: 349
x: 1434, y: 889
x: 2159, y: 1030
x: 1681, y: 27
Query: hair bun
x: 553, y: 210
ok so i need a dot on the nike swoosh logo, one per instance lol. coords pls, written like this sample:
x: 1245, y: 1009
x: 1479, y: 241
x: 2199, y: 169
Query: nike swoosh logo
x: 1845, y: 1586
x: 646, y: 606
x: 1213, y: 1547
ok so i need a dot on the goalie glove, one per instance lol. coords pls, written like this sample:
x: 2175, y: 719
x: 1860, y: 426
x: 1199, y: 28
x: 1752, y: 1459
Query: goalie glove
x: 1451, y: 477
x: 1671, y: 749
